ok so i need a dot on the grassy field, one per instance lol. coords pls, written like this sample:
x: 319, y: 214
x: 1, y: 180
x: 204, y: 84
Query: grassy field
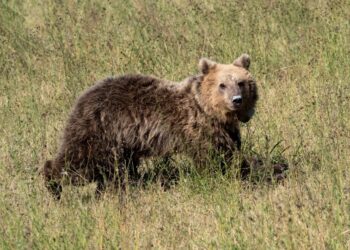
x: 50, y: 51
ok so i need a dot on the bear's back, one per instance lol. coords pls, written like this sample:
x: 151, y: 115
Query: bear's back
x: 128, y: 108
x: 128, y: 91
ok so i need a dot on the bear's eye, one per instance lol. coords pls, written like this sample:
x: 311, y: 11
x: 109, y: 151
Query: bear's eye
x: 240, y: 83
x: 222, y: 86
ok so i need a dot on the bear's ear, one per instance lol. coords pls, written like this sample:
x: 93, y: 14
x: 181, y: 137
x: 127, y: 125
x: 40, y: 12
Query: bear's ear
x: 243, y: 61
x: 205, y: 65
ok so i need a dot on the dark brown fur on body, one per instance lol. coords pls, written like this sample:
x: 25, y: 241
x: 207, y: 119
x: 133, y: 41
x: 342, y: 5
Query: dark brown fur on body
x: 122, y: 120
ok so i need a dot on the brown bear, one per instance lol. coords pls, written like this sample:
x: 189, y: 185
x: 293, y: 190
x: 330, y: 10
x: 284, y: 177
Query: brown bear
x: 121, y: 120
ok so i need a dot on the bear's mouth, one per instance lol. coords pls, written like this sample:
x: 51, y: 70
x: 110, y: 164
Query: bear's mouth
x: 235, y: 107
x: 245, y: 116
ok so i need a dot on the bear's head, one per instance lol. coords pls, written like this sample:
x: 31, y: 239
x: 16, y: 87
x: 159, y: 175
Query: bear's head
x: 227, y: 91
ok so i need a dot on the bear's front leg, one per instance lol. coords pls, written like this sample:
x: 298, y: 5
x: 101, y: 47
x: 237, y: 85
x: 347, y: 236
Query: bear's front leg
x: 253, y: 166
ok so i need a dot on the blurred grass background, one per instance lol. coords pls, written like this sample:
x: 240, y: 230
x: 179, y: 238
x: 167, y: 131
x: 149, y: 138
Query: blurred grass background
x: 52, y: 50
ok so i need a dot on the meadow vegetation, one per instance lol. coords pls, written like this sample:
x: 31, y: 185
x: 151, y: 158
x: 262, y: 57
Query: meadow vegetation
x: 50, y: 51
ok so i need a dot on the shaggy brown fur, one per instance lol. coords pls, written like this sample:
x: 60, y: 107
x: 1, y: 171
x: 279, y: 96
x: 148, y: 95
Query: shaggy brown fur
x: 122, y: 120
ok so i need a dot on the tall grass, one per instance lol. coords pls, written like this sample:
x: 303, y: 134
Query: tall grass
x: 52, y: 50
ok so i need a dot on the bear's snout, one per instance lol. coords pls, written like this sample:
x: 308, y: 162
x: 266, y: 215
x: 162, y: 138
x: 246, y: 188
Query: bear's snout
x: 237, y: 100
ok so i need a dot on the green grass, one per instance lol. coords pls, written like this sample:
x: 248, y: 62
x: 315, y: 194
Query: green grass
x: 52, y: 50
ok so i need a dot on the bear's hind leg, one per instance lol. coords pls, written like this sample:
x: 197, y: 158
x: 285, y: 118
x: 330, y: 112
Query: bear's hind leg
x: 127, y: 173
x: 100, y: 187
x: 132, y: 166
x: 104, y: 173
x: 52, y: 174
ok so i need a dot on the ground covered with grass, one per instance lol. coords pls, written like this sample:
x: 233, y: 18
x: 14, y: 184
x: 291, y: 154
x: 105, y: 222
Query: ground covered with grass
x: 52, y: 50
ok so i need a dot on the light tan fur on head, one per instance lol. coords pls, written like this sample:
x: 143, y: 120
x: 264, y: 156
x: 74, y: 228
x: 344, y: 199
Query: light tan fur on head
x: 222, y: 84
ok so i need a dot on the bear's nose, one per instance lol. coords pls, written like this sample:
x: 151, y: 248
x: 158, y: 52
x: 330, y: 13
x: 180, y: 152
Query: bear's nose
x: 237, y: 100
